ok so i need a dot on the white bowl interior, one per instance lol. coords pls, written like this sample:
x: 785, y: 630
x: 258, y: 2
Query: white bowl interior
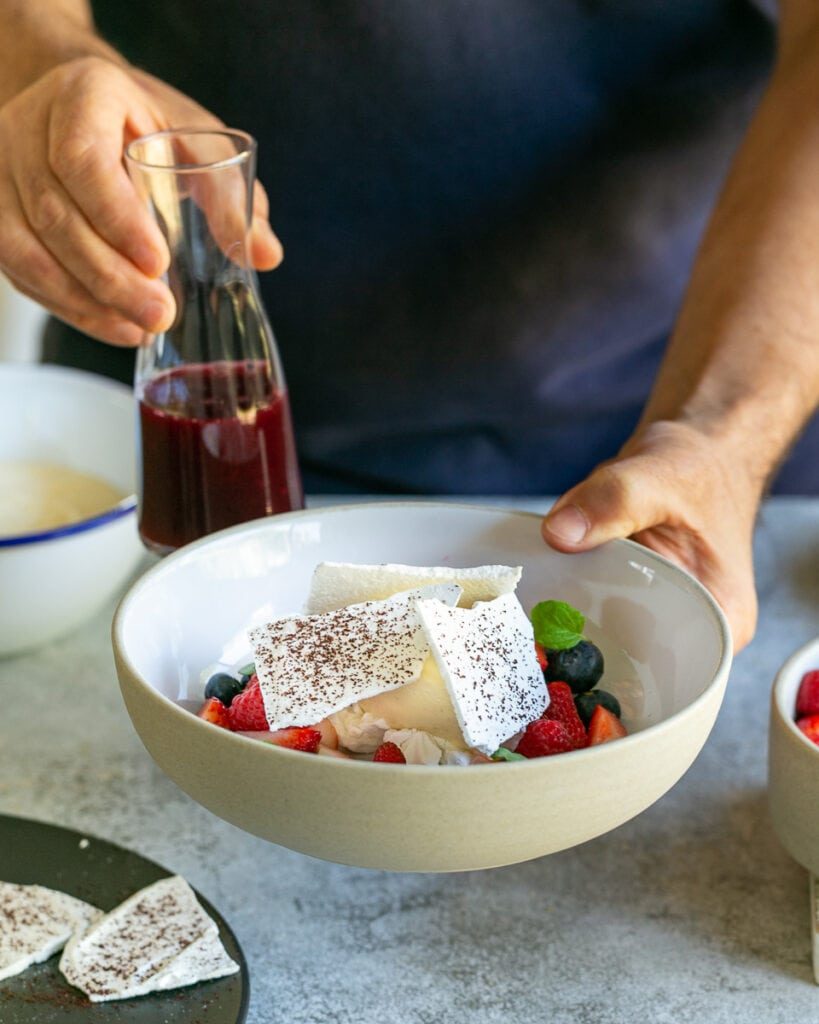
x: 662, y: 635
x: 75, y: 419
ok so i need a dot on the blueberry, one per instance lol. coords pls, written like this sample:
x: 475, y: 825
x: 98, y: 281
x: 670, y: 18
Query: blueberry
x: 223, y: 687
x: 580, y: 666
x: 587, y: 702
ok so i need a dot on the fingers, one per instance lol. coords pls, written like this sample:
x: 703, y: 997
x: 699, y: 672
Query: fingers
x: 266, y: 251
x: 224, y: 199
x: 86, y: 125
x: 34, y: 272
x: 619, y: 499
x: 102, y: 271
x: 102, y: 325
x: 73, y: 231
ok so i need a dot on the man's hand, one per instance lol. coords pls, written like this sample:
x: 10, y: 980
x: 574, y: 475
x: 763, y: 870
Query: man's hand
x: 74, y: 236
x: 671, y: 489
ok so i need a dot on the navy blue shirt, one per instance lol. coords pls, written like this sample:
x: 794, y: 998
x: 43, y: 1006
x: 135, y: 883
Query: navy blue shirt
x: 489, y: 210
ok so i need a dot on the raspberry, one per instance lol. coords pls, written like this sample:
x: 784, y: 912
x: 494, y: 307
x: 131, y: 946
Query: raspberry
x: 247, y: 710
x: 807, y: 700
x: 297, y: 738
x: 213, y: 710
x: 544, y: 737
x: 389, y: 753
x: 563, y: 709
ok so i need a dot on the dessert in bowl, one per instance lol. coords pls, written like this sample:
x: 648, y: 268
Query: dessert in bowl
x: 68, y: 537
x: 665, y: 641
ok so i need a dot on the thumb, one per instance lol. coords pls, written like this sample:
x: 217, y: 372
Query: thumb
x: 618, y: 499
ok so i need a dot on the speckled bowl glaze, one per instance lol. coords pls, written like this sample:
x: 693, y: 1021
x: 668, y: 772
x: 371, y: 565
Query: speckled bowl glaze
x: 666, y: 643
x: 793, y: 764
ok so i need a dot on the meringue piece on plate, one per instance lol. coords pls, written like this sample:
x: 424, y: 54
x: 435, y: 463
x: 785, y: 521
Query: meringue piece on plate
x: 36, y: 922
x: 486, y: 657
x: 310, y: 667
x: 160, y: 938
x: 338, y: 584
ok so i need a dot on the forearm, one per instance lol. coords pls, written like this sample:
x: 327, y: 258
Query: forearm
x: 37, y: 35
x: 743, y: 364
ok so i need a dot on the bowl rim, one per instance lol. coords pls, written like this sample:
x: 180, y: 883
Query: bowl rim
x: 783, y: 679
x: 685, y: 579
x: 123, y: 507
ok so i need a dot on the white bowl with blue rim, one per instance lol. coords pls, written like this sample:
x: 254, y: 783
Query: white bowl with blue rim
x: 52, y: 580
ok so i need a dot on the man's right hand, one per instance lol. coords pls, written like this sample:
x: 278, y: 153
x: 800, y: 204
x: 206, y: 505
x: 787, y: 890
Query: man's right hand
x: 74, y: 235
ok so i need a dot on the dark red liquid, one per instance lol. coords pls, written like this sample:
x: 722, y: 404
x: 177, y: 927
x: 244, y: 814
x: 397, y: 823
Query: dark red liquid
x: 217, y: 449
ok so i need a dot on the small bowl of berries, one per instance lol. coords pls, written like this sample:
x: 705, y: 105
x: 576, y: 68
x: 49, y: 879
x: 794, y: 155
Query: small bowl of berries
x: 793, y: 756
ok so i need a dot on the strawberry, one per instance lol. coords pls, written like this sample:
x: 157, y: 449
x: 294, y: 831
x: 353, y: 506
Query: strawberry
x: 544, y: 737
x: 247, y: 710
x: 297, y: 738
x: 542, y: 660
x: 807, y: 700
x: 213, y: 710
x: 809, y: 724
x: 605, y: 726
x: 563, y: 709
x: 389, y: 753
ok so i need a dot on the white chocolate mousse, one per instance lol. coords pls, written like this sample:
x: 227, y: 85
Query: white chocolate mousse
x: 424, y: 704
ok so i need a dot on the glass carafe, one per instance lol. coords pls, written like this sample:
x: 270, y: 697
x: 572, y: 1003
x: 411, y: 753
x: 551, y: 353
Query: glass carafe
x: 215, y: 433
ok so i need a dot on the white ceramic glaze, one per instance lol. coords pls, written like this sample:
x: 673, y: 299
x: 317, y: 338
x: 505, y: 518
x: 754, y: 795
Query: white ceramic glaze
x: 51, y: 582
x: 666, y: 643
x: 793, y: 764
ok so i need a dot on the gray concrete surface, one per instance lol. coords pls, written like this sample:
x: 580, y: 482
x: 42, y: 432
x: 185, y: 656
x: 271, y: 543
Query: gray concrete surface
x: 691, y: 912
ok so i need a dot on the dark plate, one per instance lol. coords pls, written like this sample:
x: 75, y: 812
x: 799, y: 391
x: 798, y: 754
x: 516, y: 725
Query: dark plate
x: 102, y: 874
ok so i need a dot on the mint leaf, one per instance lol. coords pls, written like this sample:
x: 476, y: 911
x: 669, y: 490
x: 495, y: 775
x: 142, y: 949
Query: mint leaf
x: 557, y: 625
x: 247, y: 670
x: 502, y: 754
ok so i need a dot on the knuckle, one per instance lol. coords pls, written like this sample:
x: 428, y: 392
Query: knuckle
x: 619, y: 486
x: 106, y: 285
x: 47, y: 211
x: 91, y: 70
x: 72, y: 156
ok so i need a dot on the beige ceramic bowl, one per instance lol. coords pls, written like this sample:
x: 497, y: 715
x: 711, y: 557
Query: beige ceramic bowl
x: 667, y: 649
x: 793, y: 765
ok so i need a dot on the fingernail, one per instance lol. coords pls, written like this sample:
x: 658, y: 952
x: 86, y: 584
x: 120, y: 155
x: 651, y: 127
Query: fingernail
x: 568, y: 524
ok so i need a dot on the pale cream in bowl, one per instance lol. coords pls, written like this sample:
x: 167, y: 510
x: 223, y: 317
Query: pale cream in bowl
x: 37, y: 495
